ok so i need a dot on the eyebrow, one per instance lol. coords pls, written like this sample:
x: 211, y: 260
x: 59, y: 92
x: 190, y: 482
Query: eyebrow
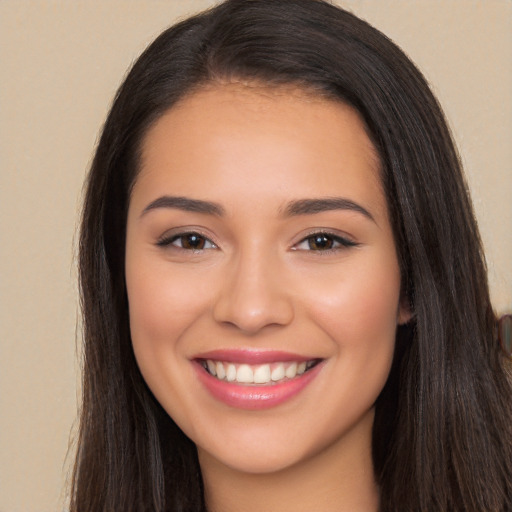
x: 312, y: 206
x: 293, y: 208
x: 186, y: 204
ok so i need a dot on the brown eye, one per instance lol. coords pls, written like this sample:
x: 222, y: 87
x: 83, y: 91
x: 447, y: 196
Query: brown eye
x: 324, y: 242
x: 320, y: 242
x: 187, y: 241
x: 192, y: 241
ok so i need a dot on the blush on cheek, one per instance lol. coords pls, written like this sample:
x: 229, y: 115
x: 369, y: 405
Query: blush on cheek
x: 160, y: 300
x: 361, y: 308
x: 376, y: 294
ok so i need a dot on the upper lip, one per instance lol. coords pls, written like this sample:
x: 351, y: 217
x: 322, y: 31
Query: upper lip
x: 252, y: 356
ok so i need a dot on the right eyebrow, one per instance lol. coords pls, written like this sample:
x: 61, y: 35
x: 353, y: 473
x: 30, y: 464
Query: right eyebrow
x: 185, y: 203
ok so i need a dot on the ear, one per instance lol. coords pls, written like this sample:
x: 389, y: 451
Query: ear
x: 405, y: 312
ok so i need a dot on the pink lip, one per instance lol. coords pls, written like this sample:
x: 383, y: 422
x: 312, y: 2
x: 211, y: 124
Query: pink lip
x: 251, y: 356
x: 254, y: 397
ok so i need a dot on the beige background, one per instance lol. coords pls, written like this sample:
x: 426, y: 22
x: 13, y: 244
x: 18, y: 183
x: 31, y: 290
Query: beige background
x: 61, y: 62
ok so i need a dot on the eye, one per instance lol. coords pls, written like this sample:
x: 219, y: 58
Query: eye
x: 187, y: 241
x: 324, y: 242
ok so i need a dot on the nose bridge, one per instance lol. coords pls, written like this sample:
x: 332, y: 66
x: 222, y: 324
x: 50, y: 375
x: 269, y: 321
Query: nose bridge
x: 253, y: 294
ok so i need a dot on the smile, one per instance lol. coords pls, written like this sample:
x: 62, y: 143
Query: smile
x: 255, y: 380
x: 247, y: 374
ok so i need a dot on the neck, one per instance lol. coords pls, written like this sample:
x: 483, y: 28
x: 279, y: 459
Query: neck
x: 338, y: 479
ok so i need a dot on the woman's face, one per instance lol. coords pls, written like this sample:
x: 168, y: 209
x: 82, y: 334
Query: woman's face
x: 262, y: 277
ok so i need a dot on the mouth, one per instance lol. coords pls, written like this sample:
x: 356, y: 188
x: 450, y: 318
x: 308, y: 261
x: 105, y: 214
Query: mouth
x: 257, y: 374
x: 255, y: 380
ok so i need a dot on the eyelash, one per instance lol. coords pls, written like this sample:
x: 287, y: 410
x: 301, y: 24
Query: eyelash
x: 167, y: 241
x: 337, y: 241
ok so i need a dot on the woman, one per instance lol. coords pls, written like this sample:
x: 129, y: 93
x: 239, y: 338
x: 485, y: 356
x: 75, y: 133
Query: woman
x: 284, y: 294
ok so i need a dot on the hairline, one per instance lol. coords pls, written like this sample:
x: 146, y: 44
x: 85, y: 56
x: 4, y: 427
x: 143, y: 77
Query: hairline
x: 301, y: 89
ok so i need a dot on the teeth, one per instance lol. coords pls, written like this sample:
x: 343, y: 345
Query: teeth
x: 245, y: 374
x: 278, y: 373
x: 260, y: 374
x: 211, y: 367
x: 221, y: 373
x: 291, y: 371
x: 231, y: 373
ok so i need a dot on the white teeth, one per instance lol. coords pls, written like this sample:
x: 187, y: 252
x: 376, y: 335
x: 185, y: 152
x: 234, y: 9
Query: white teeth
x: 291, y: 371
x: 262, y: 374
x: 211, y: 367
x: 221, y: 373
x: 231, y: 373
x: 278, y: 373
x: 245, y: 374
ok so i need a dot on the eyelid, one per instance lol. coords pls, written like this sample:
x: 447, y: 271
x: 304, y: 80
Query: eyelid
x: 345, y: 241
x: 166, y: 240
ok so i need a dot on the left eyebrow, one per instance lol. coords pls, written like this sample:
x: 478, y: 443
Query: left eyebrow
x: 312, y: 206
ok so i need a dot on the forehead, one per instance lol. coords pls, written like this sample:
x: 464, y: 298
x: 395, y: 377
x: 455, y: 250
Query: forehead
x: 264, y: 138
x: 264, y: 104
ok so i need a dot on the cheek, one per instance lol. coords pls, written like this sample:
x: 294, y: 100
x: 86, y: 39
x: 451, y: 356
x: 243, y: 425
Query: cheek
x: 162, y: 305
x: 359, y: 309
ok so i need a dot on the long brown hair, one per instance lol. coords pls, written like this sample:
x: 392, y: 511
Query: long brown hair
x: 443, y: 426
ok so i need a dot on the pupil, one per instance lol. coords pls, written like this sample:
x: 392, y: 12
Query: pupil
x: 321, y: 242
x: 193, y: 242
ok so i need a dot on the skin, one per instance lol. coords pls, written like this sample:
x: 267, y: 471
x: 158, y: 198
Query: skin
x: 262, y: 284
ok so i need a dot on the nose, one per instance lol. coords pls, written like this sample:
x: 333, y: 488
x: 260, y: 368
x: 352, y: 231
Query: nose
x: 253, y: 296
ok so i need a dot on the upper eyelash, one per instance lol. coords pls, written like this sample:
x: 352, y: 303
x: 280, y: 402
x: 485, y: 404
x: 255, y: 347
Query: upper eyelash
x: 343, y: 241
x: 167, y: 240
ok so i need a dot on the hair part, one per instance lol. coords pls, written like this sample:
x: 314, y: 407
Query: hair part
x: 443, y: 422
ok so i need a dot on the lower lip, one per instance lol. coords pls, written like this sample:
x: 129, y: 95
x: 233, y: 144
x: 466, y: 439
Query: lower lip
x: 255, y: 397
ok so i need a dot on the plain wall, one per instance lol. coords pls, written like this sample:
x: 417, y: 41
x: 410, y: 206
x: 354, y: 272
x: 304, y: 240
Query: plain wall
x: 61, y: 62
